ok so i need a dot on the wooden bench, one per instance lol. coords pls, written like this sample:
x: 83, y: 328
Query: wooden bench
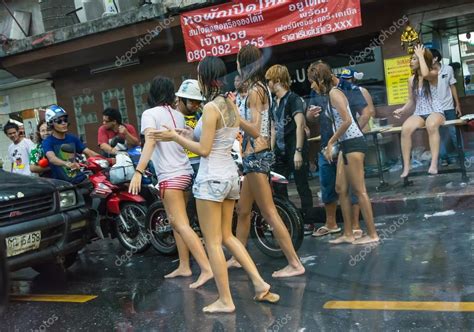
x: 458, y: 123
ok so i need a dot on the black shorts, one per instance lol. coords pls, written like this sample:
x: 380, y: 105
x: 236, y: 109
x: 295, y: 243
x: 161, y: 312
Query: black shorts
x: 358, y: 144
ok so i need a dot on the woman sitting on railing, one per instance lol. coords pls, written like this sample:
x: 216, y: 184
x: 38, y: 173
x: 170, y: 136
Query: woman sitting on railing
x: 423, y: 96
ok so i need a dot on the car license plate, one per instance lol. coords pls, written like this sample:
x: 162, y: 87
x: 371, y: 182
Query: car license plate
x: 22, y: 243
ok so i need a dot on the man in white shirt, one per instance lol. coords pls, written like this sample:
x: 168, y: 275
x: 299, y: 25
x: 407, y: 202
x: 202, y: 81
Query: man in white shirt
x: 447, y: 95
x: 19, y: 151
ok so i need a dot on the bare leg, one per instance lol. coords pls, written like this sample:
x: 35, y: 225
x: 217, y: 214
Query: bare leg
x: 244, y: 211
x: 433, y: 122
x: 184, y: 269
x: 355, y: 176
x: 261, y: 190
x: 342, y: 189
x: 356, y: 221
x: 408, y: 128
x: 210, y: 214
x: 175, y: 206
x: 239, y: 251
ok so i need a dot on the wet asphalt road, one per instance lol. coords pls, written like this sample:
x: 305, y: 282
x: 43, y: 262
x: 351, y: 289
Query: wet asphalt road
x: 421, y: 259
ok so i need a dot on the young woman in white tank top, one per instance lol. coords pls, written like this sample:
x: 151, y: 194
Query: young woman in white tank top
x: 216, y: 187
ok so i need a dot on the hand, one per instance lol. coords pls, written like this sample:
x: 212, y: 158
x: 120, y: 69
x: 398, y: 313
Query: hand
x: 162, y: 135
x: 397, y: 114
x: 419, y: 51
x: 114, y: 151
x: 314, y: 111
x: 458, y: 111
x: 328, y: 152
x: 232, y: 97
x: 186, y: 132
x: 312, y: 166
x: 72, y: 166
x: 135, y: 184
x: 122, y: 130
x: 298, y: 160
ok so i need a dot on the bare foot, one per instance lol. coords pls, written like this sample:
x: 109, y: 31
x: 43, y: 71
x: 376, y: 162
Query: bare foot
x: 263, y: 294
x: 405, y: 173
x: 367, y: 240
x: 289, y: 271
x: 342, y: 239
x: 357, y: 233
x: 179, y: 272
x: 219, y: 306
x: 433, y: 170
x: 203, y: 278
x: 232, y: 262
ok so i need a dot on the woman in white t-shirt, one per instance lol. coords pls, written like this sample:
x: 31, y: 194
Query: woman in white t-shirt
x: 217, y: 187
x: 174, y: 173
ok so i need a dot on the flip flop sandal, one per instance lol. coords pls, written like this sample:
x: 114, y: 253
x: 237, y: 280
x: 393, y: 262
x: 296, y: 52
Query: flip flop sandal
x: 357, y: 233
x: 268, y: 298
x: 326, y: 231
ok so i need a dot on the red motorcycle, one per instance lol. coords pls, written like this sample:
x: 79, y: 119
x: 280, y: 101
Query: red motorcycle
x: 120, y: 213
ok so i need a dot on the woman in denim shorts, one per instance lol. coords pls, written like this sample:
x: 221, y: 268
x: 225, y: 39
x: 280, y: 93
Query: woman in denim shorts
x: 350, y: 163
x: 258, y: 159
x: 217, y: 186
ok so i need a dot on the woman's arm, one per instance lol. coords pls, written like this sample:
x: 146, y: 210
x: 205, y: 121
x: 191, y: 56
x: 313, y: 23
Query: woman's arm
x: 429, y: 75
x: 38, y: 169
x: 203, y: 148
x: 367, y: 112
x: 410, y: 105
x: 300, y: 136
x: 147, y: 151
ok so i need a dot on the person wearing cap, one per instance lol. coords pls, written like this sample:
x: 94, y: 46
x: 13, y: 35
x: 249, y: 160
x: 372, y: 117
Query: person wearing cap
x: 189, y: 100
x: 113, y: 127
x: 62, y: 161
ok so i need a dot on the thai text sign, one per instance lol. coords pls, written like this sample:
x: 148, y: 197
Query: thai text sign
x: 223, y: 29
x: 397, y: 73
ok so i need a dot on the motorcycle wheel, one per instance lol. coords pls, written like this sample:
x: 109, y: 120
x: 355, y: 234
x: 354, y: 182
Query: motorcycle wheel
x: 134, y: 238
x: 4, y: 282
x: 262, y: 232
x: 159, y: 228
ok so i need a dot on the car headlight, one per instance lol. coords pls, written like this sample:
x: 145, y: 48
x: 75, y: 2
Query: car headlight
x: 67, y: 199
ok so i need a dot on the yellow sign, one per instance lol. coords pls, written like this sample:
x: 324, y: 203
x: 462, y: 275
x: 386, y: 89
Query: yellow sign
x: 397, y: 73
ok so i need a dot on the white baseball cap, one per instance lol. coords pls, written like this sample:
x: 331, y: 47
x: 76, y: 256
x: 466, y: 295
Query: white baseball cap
x: 190, y: 89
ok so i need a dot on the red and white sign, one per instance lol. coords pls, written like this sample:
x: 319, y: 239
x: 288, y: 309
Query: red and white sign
x: 223, y: 29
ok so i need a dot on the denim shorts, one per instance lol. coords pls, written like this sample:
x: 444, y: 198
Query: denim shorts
x: 217, y: 190
x: 259, y: 162
x: 327, y: 180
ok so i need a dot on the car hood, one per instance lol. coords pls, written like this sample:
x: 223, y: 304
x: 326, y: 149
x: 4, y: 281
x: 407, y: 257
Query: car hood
x: 13, y: 186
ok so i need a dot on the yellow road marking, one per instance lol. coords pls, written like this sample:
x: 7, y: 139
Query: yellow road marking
x: 52, y: 298
x: 400, y: 305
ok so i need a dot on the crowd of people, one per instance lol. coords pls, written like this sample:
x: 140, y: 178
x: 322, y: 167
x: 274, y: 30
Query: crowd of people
x: 190, y: 147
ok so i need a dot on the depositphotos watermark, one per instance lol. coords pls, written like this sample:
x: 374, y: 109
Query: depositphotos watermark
x: 379, y: 40
x: 46, y: 324
x: 143, y: 41
x: 279, y: 324
x: 384, y: 234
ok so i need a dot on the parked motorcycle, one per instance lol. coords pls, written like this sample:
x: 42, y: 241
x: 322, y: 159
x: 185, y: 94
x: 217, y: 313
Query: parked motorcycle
x: 121, y: 213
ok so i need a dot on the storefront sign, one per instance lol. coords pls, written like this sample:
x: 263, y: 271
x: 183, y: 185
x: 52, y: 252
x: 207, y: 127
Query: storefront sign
x: 224, y: 29
x: 397, y: 73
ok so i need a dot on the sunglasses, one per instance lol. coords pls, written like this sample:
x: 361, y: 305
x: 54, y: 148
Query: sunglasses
x: 60, y: 120
x: 194, y: 102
